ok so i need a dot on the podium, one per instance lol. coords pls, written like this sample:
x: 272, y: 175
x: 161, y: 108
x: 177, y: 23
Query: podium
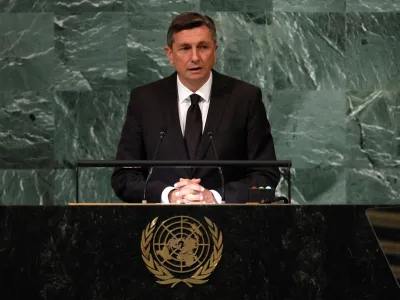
x: 138, y: 251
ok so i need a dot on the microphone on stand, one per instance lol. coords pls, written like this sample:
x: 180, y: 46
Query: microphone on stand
x: 221, y: 174
x: 162, y: 134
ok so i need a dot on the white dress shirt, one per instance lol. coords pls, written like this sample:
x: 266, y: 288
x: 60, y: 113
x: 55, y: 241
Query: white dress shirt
x: 183, y: 106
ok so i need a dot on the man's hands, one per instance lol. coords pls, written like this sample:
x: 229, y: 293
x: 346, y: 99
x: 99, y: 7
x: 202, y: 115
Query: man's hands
x: 189, y: 191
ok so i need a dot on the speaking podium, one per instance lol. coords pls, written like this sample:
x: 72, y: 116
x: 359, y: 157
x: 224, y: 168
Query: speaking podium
x: 140, y: 251
x: 228, y: 251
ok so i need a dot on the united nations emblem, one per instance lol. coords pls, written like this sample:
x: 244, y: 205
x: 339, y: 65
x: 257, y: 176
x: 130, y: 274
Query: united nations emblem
x: 180, y: 249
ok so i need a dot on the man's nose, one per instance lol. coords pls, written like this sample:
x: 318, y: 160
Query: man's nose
x: 195, y: 55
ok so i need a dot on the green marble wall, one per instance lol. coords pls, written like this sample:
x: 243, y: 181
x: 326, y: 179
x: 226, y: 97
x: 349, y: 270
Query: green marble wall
x: 329, y: 70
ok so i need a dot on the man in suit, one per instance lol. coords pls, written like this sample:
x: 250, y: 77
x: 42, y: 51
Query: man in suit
x: 187, y: 105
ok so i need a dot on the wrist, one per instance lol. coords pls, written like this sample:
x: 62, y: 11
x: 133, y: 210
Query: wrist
x: 172, y: 196
x: 209, y: 196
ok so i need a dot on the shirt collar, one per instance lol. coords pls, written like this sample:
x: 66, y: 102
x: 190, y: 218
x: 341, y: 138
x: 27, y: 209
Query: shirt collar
x: 204, y: 92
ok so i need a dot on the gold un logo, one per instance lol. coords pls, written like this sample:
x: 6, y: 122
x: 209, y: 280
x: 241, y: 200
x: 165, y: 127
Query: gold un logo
x: 180, y: 249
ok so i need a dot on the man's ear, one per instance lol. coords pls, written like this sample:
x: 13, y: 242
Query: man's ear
x: 168, y: 52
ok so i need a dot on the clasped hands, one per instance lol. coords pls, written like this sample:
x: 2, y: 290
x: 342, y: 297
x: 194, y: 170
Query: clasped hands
x: 189, y: 191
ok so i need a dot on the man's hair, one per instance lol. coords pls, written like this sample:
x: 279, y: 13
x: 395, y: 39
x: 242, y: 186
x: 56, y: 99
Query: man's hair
x: 189, y: 20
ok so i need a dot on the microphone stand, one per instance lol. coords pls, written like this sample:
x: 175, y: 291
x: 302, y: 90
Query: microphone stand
x: 162, y: 134
x: 221, y: 174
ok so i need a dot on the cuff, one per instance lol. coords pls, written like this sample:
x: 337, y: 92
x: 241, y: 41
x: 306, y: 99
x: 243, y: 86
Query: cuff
x: 217, y: 196
x: 164, y: 194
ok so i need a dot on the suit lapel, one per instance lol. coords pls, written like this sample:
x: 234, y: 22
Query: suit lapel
x: 169, y: 104
x: 216, y: 110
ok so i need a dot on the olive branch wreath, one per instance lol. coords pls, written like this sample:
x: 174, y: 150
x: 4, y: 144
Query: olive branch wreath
x: 164, y: 276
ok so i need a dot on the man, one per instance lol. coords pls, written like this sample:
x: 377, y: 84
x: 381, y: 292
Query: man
x: 187, y: 105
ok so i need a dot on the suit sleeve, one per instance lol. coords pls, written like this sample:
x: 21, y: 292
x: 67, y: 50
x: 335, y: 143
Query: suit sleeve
x: 259, y: 146
x: 128, y: 183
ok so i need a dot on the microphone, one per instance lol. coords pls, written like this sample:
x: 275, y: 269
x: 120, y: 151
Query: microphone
x: 162, y: 134
x: 221, y: 174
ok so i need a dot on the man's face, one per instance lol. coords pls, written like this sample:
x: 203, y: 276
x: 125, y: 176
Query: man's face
x: 193, y: 55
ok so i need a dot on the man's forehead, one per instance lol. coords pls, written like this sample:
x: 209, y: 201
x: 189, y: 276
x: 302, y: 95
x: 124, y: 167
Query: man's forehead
x: 187, y: 42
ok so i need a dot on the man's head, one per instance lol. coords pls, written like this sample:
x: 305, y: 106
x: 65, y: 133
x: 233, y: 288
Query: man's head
x: 192, y: 48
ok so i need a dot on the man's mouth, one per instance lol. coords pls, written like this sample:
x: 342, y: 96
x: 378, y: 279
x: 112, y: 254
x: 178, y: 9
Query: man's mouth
x: 195, y: 69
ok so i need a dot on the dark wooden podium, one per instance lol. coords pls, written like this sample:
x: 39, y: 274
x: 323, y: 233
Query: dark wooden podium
x: 113, y: 251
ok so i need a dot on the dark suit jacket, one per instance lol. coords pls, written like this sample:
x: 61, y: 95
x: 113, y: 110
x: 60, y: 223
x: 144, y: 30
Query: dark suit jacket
x: 240, y: 128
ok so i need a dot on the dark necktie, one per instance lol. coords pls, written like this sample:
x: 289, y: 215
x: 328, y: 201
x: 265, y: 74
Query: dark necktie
x: 194, y: 126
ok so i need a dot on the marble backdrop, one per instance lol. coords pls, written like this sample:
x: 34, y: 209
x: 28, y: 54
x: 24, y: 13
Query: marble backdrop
x: 329, y: 71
